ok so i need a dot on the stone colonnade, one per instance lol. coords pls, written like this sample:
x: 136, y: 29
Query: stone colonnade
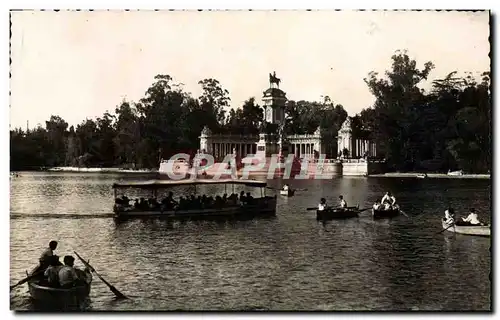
x: 357, y: 147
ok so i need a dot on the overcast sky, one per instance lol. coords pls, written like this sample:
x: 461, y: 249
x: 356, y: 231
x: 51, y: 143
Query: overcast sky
x: 79, y: 64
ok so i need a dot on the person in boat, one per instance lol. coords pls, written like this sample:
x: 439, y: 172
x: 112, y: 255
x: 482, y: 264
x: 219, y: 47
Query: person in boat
x: 69, y: 275
x: 242, y: 197
x: 377, y: 205
x: 47, y: 255
x: 322, y: 205
x: 389, y: 199
x: 249, y: 198
x: 342, y: 203
x: 471, y: 220
x: 449, y: 215
x: 52, y: 272
x: 286, y: 187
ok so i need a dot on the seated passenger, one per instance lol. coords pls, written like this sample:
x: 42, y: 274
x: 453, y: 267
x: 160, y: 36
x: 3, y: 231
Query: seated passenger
x: 376, y: 205
x: 52, y: 272
x: 242, y: 197
x: 286, y: 187
x: 67, y: 274
x: 249, y: 198
x: 472, y: 219
x: 342, y: 203
x: 322, y: 204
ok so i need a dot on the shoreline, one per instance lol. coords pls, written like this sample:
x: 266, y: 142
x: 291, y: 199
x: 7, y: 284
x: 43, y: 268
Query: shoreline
x: 429, y: 175
x: 381, y: 175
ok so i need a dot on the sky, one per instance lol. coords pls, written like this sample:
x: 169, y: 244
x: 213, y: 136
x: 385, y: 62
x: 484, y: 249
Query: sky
x: 80, y: 64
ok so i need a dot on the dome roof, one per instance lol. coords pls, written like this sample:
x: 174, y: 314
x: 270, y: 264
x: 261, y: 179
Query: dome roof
x: 274, y: 92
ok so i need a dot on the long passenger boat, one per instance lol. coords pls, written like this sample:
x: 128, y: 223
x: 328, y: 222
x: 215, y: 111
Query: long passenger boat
x: 230, y: 209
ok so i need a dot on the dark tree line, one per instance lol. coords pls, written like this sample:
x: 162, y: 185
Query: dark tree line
x: 167, y: 120
x: 447, y: 128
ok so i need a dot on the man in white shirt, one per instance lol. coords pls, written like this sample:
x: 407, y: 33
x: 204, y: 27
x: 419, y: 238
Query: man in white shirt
x: 388, y: 198
x: 322, y: 205
x: 343, y: 203
x: 285, y: 187
x: 472, y: 219
x: 52, y: 272
x: 67, y: 273
x: 376, y: 205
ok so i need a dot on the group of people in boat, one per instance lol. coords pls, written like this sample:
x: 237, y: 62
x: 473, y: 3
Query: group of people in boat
x: 56, y: 274
x: 342, y: 204
x: 388, y: 202
x: 185, y: 203
x: 471, y: 220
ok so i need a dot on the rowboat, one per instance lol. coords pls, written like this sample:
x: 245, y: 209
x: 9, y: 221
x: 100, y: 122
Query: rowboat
x: 256, y: 207
x: 287, y: 193
x: 50, y: 296
x: 483, y: 231
x: 378, y: 214
x: 337, y: 213
x: 456, y: 173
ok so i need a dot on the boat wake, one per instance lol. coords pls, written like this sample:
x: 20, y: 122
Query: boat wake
x: 20, y: 215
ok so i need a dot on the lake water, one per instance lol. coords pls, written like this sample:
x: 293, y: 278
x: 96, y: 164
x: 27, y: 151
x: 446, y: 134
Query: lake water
x: 290, y: 262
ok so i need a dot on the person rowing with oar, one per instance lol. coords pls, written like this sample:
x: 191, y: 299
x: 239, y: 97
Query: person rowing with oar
x: 388, y: 201
x: 322, y: 205
x: 449, y: 215
x: 342, y: 203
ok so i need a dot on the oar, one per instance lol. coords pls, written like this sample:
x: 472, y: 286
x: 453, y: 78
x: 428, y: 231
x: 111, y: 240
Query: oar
x: 404, y: 213
x: 451, y: 225
x: 28, y: 278
x: 117, y: 293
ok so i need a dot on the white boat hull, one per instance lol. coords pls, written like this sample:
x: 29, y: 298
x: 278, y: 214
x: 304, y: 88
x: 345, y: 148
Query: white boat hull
x: 483, y: 231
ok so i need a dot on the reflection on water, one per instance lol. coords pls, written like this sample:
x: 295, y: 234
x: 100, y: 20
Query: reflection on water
x: 291, y: 262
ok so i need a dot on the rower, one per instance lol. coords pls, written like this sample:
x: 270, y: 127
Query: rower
x: 322, y: 204
x: 286, y: 187
x: 388, y: 198
x: 376, y: 205
x: 449, y: 215
x: 343, y: 203
x: 472, y: 218
x: 47, y: 254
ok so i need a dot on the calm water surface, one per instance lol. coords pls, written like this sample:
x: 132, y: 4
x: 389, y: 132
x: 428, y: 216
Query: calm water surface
x: 290, y: 262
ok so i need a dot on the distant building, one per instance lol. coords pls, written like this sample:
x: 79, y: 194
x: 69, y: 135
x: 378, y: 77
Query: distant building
x: 277, y: 141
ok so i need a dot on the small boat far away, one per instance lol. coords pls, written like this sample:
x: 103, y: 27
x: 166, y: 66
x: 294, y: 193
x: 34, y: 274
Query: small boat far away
x: 337, y: 213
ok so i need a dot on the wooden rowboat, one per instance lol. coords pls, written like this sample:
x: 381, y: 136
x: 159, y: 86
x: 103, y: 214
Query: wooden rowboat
x: 379, y: 214
x: 482, y: 231
x: 337, y: 213
x: 287, y: 193
x: 57, y: 297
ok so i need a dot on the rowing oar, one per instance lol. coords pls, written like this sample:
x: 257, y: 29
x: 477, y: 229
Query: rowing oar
x: 117, y: 293
x: 451, y: 225
x: 404, y: 213
x: 28, y: 278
